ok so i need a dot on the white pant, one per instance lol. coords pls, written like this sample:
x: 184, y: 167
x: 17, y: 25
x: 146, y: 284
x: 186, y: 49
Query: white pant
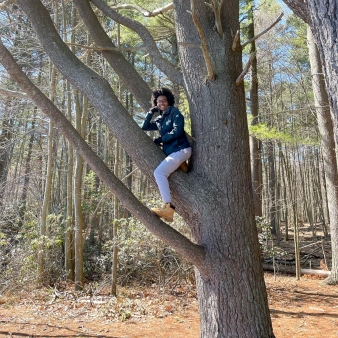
x: 166, y: 167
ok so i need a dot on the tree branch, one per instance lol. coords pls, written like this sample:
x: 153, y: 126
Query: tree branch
x: 130, y: 77
x: 193, y: 252
x: 245, y: 70
x: 263, y: 32
x: 144, y: 12
x: 207, y: 59
x: 12, y: 93
x: 149, y: 42
x: 94, y: 47
x: 216, y: 8
x: 299, y: 7
x: 236, y: 39
x: 6, y: 3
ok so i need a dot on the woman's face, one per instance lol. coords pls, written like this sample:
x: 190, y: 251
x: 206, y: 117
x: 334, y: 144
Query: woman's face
x: 162, y: 102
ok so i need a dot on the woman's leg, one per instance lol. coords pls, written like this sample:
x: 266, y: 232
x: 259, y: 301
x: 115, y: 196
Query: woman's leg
x: 165, y: 168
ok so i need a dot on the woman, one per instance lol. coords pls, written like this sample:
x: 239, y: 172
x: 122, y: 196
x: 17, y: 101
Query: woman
x: 175, y: 145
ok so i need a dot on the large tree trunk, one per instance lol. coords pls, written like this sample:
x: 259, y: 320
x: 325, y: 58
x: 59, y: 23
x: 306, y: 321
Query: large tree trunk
x: 328, y: 149
x: 215, y: 198
x: 232, y: 300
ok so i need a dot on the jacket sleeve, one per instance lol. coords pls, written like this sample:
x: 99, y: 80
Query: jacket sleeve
x: 147, y: 124
x: 178, y: 127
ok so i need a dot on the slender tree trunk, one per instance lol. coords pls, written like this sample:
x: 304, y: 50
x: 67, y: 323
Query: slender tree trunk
x: 79, y: 219
x: 48, y: 184
x: 255, y: 144
x: 325, y: 126
x: 23, y: 198
x: 115, y: 226
x: 5, y: 150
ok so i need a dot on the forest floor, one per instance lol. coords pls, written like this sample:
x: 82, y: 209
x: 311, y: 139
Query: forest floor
x: 299, y: 308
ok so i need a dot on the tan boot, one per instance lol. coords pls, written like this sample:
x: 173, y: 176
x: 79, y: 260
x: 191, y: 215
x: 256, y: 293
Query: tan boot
x: 167, y: 212
x: 184, y: 167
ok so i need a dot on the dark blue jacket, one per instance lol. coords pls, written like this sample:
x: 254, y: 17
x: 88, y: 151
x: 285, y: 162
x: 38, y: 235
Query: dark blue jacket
x: 171, y: 127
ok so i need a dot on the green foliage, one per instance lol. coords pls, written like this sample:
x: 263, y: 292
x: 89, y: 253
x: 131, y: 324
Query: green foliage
x: 264, y: 132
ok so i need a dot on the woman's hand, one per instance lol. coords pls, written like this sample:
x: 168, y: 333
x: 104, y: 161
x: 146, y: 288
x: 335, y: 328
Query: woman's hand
x: 154, y: 110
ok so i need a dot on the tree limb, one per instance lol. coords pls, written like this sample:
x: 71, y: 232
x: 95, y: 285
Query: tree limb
x: 144, y: 12
x: 245, y: 70
x: 263, y: 32
x: 216, y: 5
x: 207, y: 59
x: 94, y: 47
x: 130, y: 77
x: 299, y: 7
x: 236, y: 39
x: 193, y: 252
x: 6, y: 3
x: 12, y: 93
x: 149, y: 42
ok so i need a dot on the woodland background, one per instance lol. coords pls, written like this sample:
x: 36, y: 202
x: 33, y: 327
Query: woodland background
x: 52, y: 204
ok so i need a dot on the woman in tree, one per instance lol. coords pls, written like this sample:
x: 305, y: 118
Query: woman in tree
x: 175, y: 145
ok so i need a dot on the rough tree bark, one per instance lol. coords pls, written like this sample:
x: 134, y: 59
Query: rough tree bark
x: 215, y: 198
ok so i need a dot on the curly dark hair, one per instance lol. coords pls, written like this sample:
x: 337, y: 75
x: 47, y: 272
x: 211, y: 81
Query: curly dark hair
x: 165, y: 92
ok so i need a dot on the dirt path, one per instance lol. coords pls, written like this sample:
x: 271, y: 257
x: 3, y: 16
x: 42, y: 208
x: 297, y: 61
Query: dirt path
x: 304, y: 308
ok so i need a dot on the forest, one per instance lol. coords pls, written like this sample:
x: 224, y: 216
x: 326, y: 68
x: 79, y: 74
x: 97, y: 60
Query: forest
x: 76, y: 171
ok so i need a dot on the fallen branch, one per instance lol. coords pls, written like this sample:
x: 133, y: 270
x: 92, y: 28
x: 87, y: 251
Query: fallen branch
x: 290, y: 269
x: 260, y: 34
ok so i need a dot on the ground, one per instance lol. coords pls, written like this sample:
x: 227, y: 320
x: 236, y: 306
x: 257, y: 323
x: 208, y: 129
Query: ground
x: 299, y: 308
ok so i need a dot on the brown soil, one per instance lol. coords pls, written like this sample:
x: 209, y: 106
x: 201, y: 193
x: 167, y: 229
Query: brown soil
x: 303, y: 308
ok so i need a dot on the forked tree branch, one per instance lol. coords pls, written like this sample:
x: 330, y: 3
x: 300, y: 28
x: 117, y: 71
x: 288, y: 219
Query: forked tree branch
x: 143, y: 11
x: 191, y: 251
x: 263, y: 32
x: 149, y: 42
x: 207, y: 59
x: 216, y: 6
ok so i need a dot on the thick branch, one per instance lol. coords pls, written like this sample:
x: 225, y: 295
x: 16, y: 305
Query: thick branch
x: 193, y: 252
x: 265, y: 30
x: 299, y: 7
x: 144, y: 12
x: 12, y: 93
x: 117, y: 61
x: 207, y: 59
x: 149, y: 42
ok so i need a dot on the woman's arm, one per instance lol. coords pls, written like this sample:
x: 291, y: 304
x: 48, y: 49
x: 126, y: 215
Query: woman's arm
x: 147, y: 124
